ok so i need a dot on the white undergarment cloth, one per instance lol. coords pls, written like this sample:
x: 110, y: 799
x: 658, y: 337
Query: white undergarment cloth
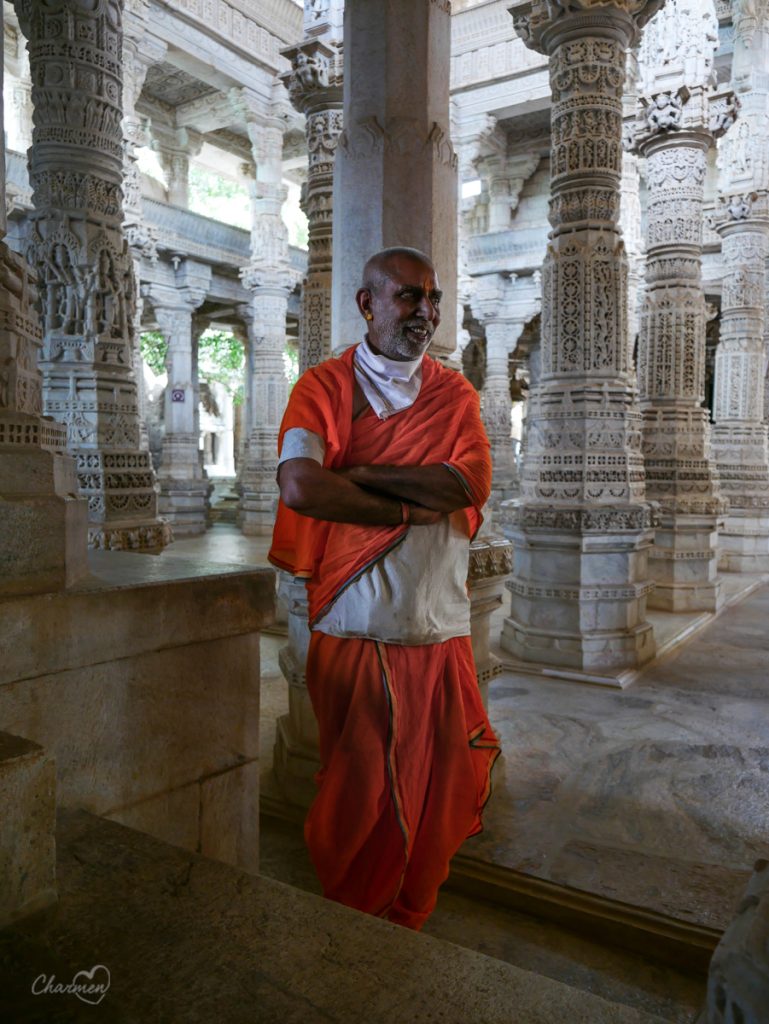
x: 390, y: 385
x: 417, y: 593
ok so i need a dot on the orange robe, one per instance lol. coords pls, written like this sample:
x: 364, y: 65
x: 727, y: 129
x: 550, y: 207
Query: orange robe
x: 406, y: 746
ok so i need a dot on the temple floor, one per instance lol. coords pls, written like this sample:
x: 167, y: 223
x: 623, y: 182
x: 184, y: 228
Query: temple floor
x: 650, y: 799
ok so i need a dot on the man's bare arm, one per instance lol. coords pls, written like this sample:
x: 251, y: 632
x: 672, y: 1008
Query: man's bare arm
x: 319, y: 493
x: 433, y: 486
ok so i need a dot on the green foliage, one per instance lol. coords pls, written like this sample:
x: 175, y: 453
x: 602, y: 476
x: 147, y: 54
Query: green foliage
x: 220, y: 198
x: 154, y: 348
x: 291, y: 364
x: 221, y: 358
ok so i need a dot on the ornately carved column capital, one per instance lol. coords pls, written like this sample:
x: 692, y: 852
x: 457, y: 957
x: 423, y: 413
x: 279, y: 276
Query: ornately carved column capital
x: 316, y: 76
x: 544, y: 24
x: 262, y: 277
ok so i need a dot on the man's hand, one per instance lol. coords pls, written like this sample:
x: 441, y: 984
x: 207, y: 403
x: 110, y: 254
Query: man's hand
x: 319, y: 493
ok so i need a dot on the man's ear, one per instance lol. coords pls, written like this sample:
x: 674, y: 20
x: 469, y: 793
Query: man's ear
x: 363, y: 301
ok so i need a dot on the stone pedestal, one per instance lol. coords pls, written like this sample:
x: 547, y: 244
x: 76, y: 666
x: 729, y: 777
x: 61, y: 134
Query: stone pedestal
x: 27, y: 843
x: 79, y: 249
x: 395, y: 181
x: 144, y: 687
x: 580, y: 578
x: 295, y: 757
x: 491, y: 559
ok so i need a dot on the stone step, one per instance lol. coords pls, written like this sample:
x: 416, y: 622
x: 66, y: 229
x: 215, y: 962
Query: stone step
x: 188, y: 939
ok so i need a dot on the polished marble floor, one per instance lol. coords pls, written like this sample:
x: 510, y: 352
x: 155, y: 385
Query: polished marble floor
x: 656, y: 795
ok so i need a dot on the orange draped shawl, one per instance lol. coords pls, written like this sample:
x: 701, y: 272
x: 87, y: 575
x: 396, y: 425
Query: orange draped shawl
x: 406, y: 747
x: 443, y: 426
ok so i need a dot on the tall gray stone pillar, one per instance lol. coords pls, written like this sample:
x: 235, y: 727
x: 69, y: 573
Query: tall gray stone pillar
x: 78, y: 246
x: 673, y: 134
x: 42, y: 523
x: 742, y: 220
x: 315, y: 87
x: 583, y: 531
x: 396, y: 171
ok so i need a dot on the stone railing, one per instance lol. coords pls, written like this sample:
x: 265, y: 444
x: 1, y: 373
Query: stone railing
x: 507, y: 251
x: 211, y: 241
x: 484, y: 46
x: 260, y: 30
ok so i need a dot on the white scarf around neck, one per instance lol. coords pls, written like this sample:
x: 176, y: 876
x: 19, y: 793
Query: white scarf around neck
x: 390, y: 385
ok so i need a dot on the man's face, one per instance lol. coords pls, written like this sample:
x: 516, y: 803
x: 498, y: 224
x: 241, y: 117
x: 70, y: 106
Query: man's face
x: 403, y: 311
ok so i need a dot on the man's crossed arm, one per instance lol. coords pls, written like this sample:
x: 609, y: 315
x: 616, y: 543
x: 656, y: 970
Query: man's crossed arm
x: 370, y: 495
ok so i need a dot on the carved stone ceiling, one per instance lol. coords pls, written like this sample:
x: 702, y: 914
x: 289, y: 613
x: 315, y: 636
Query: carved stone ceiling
x: 535, y: 125
x: 171, y: 86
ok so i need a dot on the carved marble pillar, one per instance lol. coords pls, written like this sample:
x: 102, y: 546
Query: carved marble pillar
x: 42, y: 523
x: 396, y: 173
x: 503, y: 305
x: 270, y: 279
x: 315, y: 87
x: 742, y: 220
x: 140, y: 52
x: 673, y: 135
x: 175, y: 148
x: 580, y: 576
x: 184, y: 487
x: 78, y: 246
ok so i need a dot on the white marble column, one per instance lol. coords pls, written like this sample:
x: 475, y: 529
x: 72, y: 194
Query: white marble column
x: 580, y: 577
x: 673, y: 134
x: 84, y: 265
x: 396, y: 171
x: 175, y: 148
x: 183, y: 484
x: 503, y: 305
x: 742, y: 220
x: 42, y: 523
x: 315, y: 87
x: 270, y: 279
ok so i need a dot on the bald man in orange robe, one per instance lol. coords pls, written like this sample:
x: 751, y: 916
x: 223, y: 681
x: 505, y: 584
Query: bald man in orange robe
x: 384, y: 468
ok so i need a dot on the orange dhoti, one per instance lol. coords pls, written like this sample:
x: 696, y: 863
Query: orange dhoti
x: 406, y: 756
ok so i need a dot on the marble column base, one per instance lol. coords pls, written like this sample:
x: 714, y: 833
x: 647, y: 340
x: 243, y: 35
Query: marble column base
x: 185, y: 504
x: 743, y: 544
x: 683, y: 562
x: 490, y: 564
x: 579, y: 597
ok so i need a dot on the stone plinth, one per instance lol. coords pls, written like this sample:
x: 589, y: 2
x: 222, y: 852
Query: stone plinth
x: 144, y: 686
x: 27, y: 845
x: 296, y: 758
x: 491, y: 560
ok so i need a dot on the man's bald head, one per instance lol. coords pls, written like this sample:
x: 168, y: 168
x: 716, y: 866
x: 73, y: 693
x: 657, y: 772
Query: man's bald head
x: 378, y: 266
x: 400, y: 301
